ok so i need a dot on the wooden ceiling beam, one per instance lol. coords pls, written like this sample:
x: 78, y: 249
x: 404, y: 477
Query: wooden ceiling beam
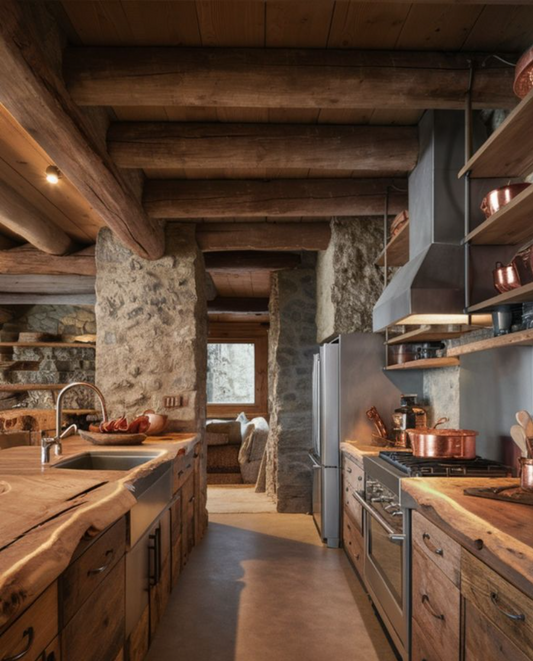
x: 20, y: 216
x: 216, y: 237
x: 26, y: 260
x: 384, y: 150
x: 38, y: 100
x: 237, y: 262
x: 283, y: 78
x: 236, y: 305
x: 312, y: 198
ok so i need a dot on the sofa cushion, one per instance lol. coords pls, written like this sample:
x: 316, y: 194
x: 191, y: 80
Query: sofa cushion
x: 230, y: 427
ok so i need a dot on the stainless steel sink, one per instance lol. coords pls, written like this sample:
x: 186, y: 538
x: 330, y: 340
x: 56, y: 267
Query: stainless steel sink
x: 115, y: 460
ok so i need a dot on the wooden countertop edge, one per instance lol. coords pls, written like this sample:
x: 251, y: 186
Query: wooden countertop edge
x: 503, y: 552
x: 34, y: 561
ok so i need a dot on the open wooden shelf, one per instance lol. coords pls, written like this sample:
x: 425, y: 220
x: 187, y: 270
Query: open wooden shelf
x: 428, y: 333
x: 507, y: 152
x: 520, y: 338
x: 58, y: 345
x: 26, y: 387
x: 512, y: 225
x: 397, y: 249
x: 522, y: 294
x: 426, y: 364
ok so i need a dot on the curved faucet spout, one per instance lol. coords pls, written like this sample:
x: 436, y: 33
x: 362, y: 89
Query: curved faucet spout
x: 59, y: 404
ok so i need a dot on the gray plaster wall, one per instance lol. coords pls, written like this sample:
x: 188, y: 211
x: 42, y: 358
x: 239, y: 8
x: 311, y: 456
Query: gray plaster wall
x: 152, y: 319
x: 292, y: 343
x: 348, y: 282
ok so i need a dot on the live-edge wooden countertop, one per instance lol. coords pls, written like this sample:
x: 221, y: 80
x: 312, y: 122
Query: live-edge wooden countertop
x: 498, y: 533
x: 45, y: 512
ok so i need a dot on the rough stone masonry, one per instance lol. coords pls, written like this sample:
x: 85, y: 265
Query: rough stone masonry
x: 152, y: 319
x: 292, y: 343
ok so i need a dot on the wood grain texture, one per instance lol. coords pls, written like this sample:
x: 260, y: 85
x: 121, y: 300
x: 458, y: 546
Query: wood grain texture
x: 254, y: 260
x: 279, y: 78
x: 276, y: 197
x: 493, y: 531
x: 520, y: 338
x: 26, y: 260
x: 384, y: 150
x: 438, y: 547
x: 216, y: 237
x: 397, y: 249
x: 30, y: 223
x: 59, y: 127
x: 33, y: 556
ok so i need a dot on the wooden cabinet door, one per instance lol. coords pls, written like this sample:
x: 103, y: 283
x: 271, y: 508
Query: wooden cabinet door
x: 485, y: 641
x: 96, y: 631
x: 176, y: 538
x: 436, y: 604
x: 187, y: 517
x: 160, y: 570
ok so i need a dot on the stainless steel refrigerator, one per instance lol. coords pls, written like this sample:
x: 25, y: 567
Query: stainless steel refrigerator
x: 348, y: 379
x: 326, y: 455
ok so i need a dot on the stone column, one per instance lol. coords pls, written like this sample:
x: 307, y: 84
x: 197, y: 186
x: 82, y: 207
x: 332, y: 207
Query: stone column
x: 152, y: 330
x: 292, y: 343
x: 348, y: 282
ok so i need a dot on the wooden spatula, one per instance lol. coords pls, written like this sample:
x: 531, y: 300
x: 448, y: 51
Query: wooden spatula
x: 519, y: 437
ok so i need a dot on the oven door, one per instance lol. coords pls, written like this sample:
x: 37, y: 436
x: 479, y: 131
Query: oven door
x: 387, y: 570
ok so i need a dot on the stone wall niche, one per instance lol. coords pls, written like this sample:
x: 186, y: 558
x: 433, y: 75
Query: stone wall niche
x: 152, y: 318
x: 292, y: 343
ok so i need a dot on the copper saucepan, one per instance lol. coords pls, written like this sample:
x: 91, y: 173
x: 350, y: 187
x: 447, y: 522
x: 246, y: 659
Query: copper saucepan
x: 432, y: 443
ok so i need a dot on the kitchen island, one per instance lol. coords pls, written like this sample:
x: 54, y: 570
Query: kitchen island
x: 70, y: 533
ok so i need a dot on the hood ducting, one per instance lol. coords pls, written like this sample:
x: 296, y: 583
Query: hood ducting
x: 432, y: 281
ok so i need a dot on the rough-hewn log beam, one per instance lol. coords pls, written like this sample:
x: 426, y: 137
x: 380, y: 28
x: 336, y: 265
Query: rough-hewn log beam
x: 215, y: 237
x: 38, y: 100
x: 236, y: 262
x: 296, y: 198
x: 28, y: 260
x: 18, y: 215
x: 280, y: 78
x: 238, y: 305
x: 385, y: 150
x: 47, y: 284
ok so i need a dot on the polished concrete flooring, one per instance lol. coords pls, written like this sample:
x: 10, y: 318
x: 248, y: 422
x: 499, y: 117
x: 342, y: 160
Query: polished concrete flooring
x: 260, y: 587
x: 237, y: 499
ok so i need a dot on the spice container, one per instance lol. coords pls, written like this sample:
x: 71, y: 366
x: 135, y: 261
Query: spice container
x: 407, y: 416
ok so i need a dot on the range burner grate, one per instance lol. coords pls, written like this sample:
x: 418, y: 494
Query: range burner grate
x: 418, y: 467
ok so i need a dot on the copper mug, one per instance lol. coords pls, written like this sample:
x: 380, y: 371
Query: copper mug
x: 526, y: 473
x: 505, y: 277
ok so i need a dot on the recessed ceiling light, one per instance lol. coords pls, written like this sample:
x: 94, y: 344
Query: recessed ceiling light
x: 53, y: 175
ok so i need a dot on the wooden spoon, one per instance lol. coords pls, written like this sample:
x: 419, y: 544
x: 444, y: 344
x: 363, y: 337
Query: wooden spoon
x: 519, y: 437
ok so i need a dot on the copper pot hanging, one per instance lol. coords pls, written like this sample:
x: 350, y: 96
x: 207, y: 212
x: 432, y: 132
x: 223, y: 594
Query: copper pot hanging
x: 433, y: 443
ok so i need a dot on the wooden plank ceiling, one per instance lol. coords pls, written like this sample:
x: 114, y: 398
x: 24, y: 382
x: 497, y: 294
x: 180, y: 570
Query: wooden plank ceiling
x: 317, y: 24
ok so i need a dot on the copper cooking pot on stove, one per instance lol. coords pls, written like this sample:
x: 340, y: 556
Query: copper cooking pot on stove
x: 433, y: 443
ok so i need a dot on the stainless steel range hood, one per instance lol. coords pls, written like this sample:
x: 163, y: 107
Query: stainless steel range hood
x: 432, y: 281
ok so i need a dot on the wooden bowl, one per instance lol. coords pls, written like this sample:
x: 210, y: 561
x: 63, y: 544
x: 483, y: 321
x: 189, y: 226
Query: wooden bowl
x: 112, y: 439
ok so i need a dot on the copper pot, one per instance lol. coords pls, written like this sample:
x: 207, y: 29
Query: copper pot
x: 432, y: 443
x: 499, y: 197
x: 523, y: 80
x: 526, y: 473
x: 505, y: 277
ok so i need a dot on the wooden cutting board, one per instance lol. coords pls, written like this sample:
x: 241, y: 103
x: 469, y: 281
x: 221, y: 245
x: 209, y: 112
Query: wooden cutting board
x: 27, y: 501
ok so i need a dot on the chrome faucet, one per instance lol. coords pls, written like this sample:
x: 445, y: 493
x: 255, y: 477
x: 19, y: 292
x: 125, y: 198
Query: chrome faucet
x: 47, y: 442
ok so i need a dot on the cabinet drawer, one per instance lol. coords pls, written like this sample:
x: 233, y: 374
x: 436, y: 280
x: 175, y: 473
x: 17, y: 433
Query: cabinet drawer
x: 175, y: 522
x: 436, y: 545
x: 352, y: 506
x: 34, y: 629
x: 85, y: 574
x: 96, y: 632
x: 353, y: 542
x: 183, y: 467
x: 421, y: 647
x: 506, y: 606
x: 436, y: 603
x: 484, y: 641
x: 352, y: 475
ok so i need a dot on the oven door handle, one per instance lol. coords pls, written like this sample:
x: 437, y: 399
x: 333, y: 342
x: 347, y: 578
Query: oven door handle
x: 395, y: 537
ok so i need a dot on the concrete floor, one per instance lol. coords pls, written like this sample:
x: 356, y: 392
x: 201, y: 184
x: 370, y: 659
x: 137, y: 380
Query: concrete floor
x: 237, y: 499
x: 260, y: 587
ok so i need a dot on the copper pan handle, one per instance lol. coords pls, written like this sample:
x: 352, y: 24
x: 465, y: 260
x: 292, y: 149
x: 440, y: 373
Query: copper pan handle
x: 440, y: 421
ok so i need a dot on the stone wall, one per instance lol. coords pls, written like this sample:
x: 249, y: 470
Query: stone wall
x: 348, y: 283
x: 152, y: 319
x: 292, y: 343
x: 64, y: 320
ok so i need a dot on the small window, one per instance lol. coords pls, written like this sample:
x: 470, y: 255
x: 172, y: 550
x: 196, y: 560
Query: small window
x: 230, y: 373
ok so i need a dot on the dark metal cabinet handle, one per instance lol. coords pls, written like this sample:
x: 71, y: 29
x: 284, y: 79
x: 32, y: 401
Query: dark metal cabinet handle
x: 98, y: 570
x: 348, y: 470
x: 426, y: 537
x: 519, y: 617
x: 191, y: 499
x: 429, y: 608
x: 156, y: 548
x: 31, y: 634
